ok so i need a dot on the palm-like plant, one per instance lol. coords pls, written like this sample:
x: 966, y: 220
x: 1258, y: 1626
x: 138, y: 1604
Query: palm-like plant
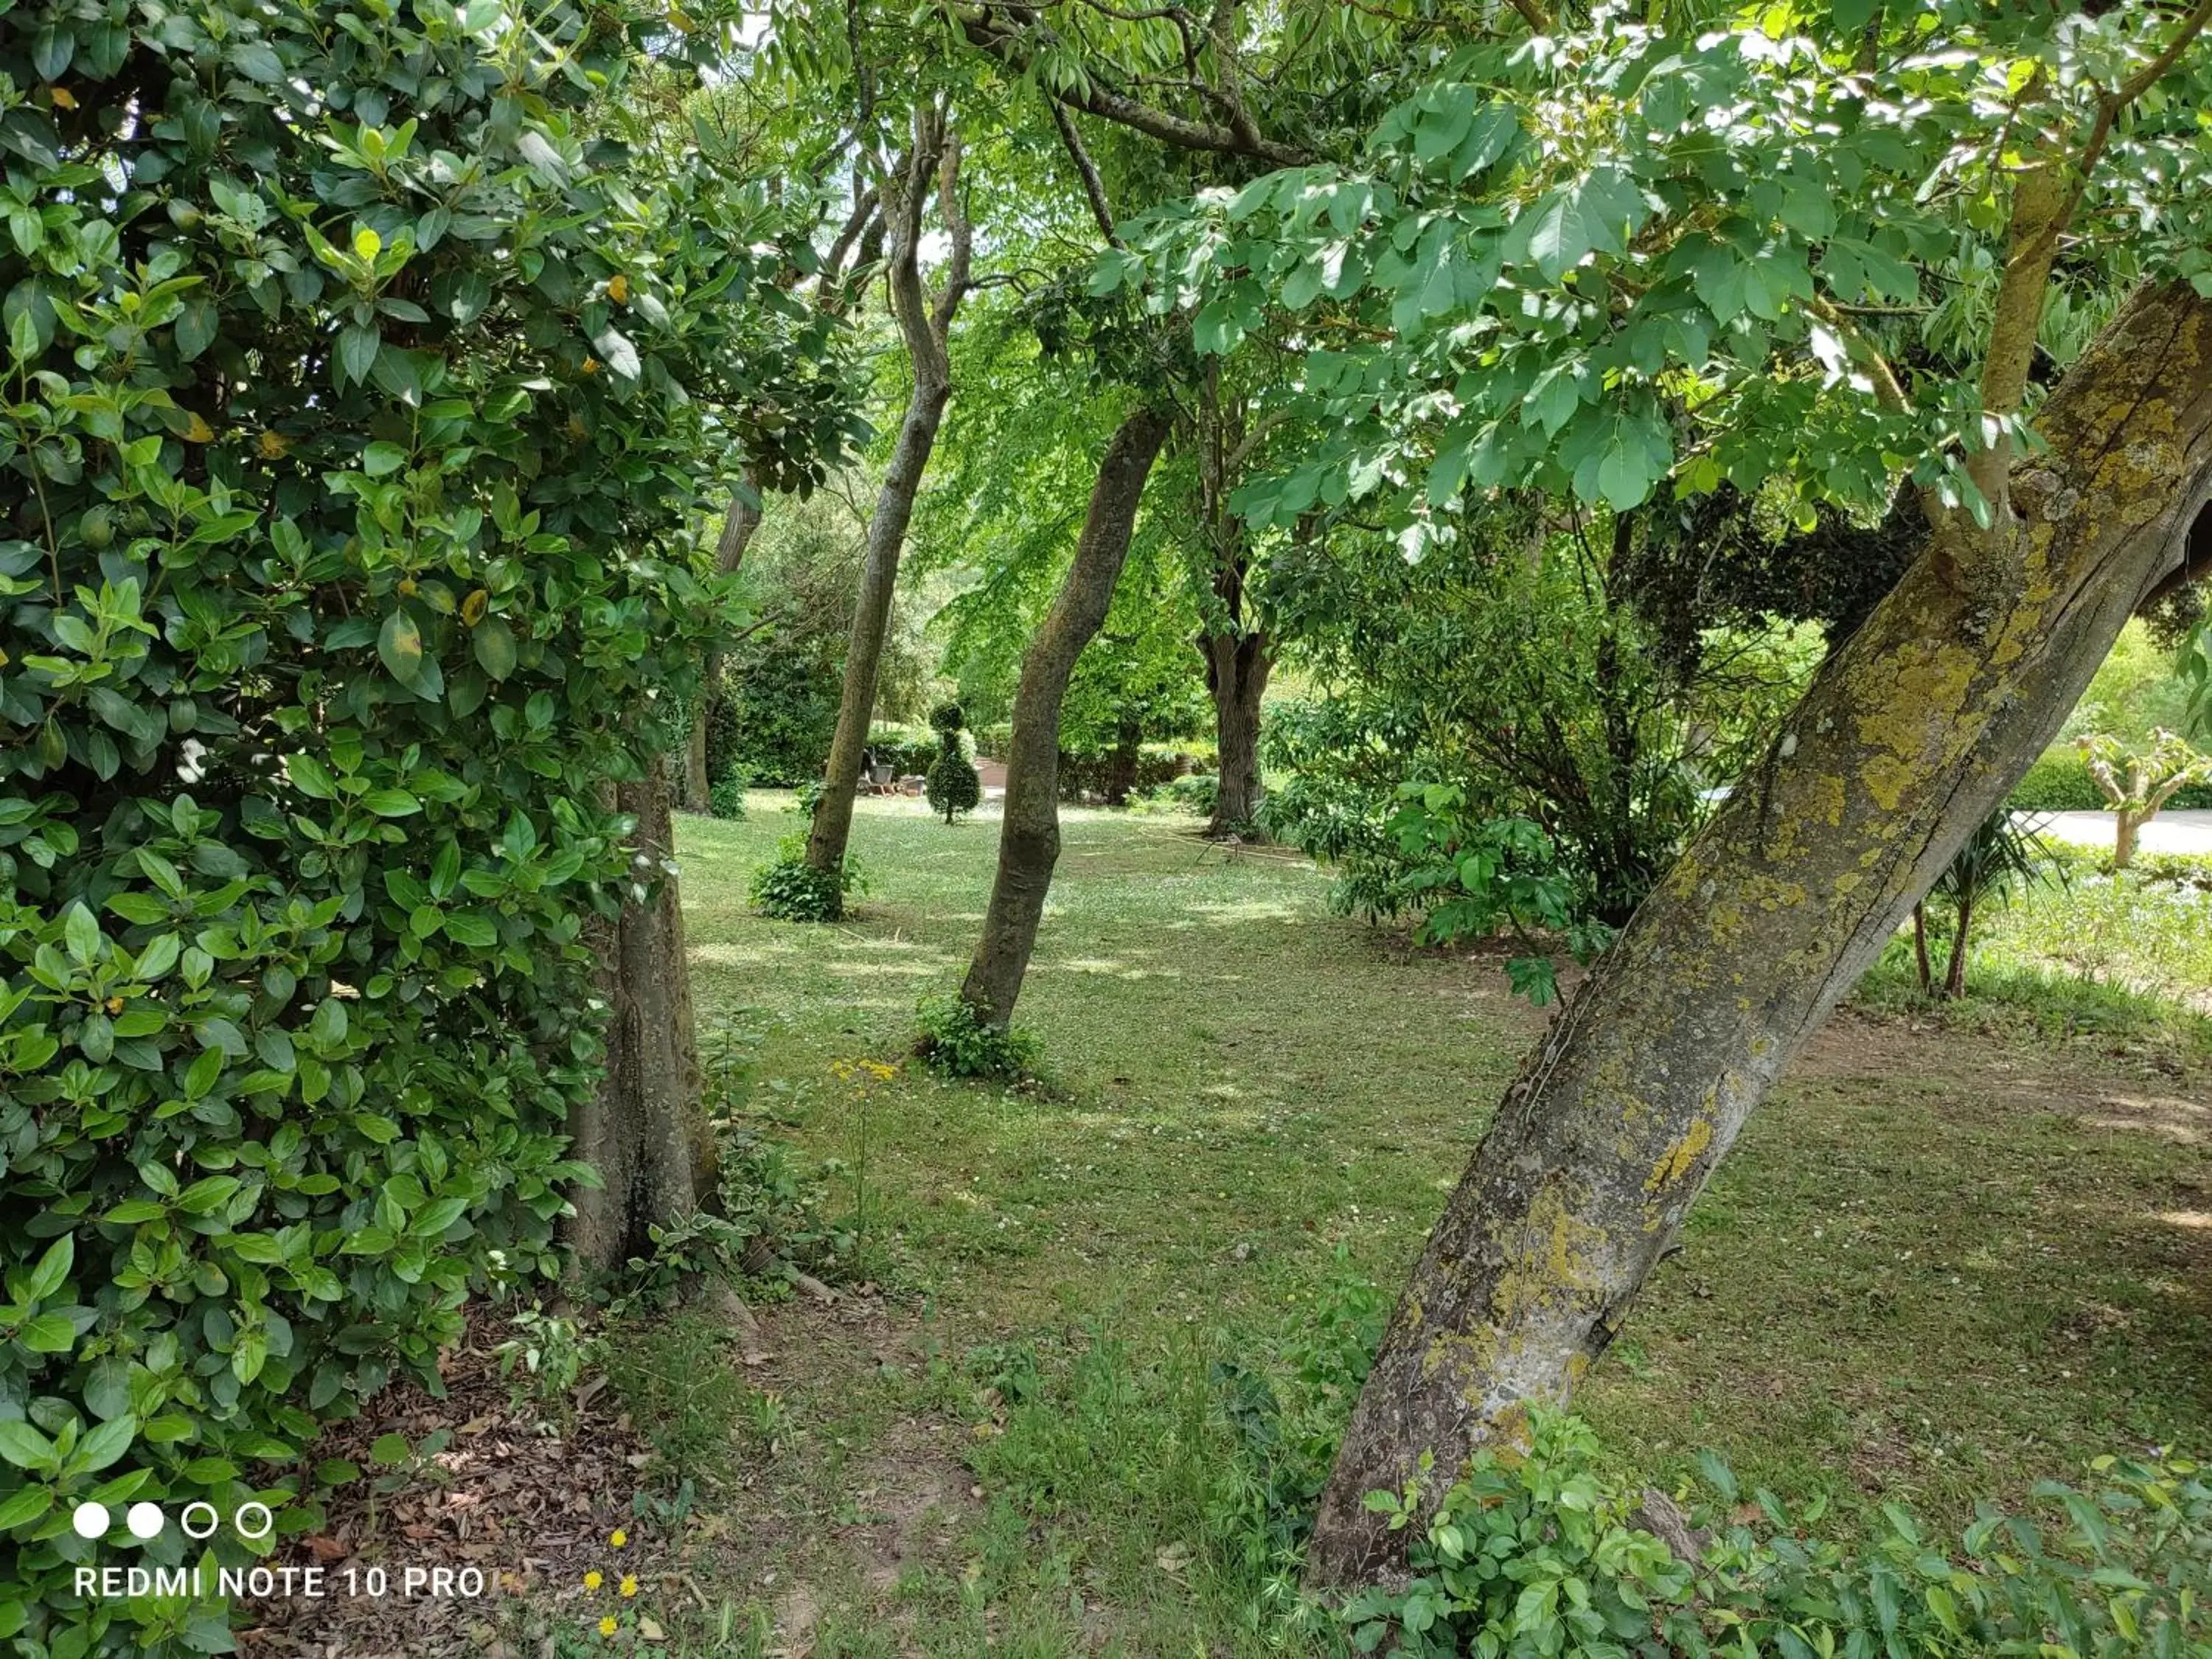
x: 2005, y: 852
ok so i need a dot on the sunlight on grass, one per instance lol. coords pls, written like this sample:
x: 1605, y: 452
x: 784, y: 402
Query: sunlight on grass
x: 1941, y: 1264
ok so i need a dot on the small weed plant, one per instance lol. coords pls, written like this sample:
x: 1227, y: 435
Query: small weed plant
x: 955, y: 1042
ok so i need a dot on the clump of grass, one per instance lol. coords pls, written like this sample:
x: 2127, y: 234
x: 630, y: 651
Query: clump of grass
x: 694, y: 1408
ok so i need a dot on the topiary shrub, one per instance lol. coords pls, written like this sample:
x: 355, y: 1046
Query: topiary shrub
x: 952, y: 785
x: 359, y: 409
x: 789, y: 889
x: 955, y: 1042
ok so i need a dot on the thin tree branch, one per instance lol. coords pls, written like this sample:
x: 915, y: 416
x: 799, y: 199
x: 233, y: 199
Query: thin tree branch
x: 1094, y: 188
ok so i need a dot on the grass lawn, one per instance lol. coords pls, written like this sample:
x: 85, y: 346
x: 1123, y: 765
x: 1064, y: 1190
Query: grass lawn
x: 1941, y: 1264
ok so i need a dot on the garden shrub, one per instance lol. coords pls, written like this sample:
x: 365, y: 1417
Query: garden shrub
x: 776, y: 714
x: 952, y: 784
x: 725, y: 796
x: 1087, y: 772
x: 908, y: 749
x: 954, y: 1042
x: 1540, y: 1554
x: 788, y: 889
x: 2059, y: 782
x: 349, y: 475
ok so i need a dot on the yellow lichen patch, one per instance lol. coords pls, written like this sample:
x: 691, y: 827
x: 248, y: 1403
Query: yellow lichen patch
x: 1674, y: 1163
x: 1824, y: 799
x: 1887, y: 779
x: 1550, y: 1262
x: 1914, y: 692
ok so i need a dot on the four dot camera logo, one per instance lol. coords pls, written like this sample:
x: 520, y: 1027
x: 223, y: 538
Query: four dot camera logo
x: 200, y: 1521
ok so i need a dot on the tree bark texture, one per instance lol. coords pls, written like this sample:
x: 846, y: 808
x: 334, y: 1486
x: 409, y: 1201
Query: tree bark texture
x: 644, y: 1132
x: 927, y: 329
x: 1236, y: 668
x: 1238, y: 654
x: 1029, y: 835
x: 738, y: 524
x: 1907, y: 739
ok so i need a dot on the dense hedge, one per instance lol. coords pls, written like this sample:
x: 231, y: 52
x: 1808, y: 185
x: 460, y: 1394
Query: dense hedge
x: 2059, y: 782
x: 362, y: 389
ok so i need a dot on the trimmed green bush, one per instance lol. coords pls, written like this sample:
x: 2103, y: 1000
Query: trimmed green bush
x: 359, y: 410
x: 2059, y: 782
x: 952, y: 785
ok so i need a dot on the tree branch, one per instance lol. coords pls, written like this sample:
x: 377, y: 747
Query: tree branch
x: 1094, y: 188
x: 1108, y: 106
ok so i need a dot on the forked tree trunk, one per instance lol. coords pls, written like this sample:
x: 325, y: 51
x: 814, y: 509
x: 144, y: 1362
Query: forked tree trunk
x: 738, y: 524
x: 1236, y: 668
x: 644, y: 1132
x: 1954, y: 973
x: 1907, y: 739
x: 1029, y: 835
x: 926, y: 328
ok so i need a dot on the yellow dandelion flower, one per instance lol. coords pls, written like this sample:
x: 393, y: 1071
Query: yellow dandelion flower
x: 591, y: 365
x: 618, y: 288
x: 607, y: 1625
x: 629, y: 1584
x: 619, y: 1538
x: 592, y: 1579
x: 272, y: 445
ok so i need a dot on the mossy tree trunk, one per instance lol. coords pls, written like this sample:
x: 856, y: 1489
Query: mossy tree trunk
x: 925, y: 326
x: 1028, y: 836
x: 644, y: 1132
x: 1906, y: 740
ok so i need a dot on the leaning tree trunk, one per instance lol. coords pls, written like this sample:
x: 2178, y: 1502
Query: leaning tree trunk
x: 1237, y: 667
x: 644, y: 1133
x: 927, y: 328
x: 1029, y: 835
x: 1908, y: 738
x: 738, y: 525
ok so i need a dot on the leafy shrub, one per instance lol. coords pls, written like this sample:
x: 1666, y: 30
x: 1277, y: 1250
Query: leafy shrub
x: 775, y: 714
x: 908, y: 750
x: 354, y: 436
x: 1540, y: 1554
x: 1473, y: 878
x: 952, y: 785
x: 725, y: 796
x: 1194, y: 792
x: 954, y: 1041
x: 1154, y: 767
x: 788, y: 889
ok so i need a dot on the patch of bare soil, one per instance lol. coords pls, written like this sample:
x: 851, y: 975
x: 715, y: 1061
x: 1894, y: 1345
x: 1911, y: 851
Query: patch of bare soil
x: 820, y: 1525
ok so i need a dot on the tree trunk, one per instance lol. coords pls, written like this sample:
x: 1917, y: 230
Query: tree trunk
x: 1121, y: 764
x: 738, y: 526
x: 1237, y: 667
x: 1954, y: 973
x: 644, y: 1132
x: 2127, y: 826
x: 1029, y: 835
x: 926, y: 328
x: 1920, y: 949
x: 1908, y: 738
